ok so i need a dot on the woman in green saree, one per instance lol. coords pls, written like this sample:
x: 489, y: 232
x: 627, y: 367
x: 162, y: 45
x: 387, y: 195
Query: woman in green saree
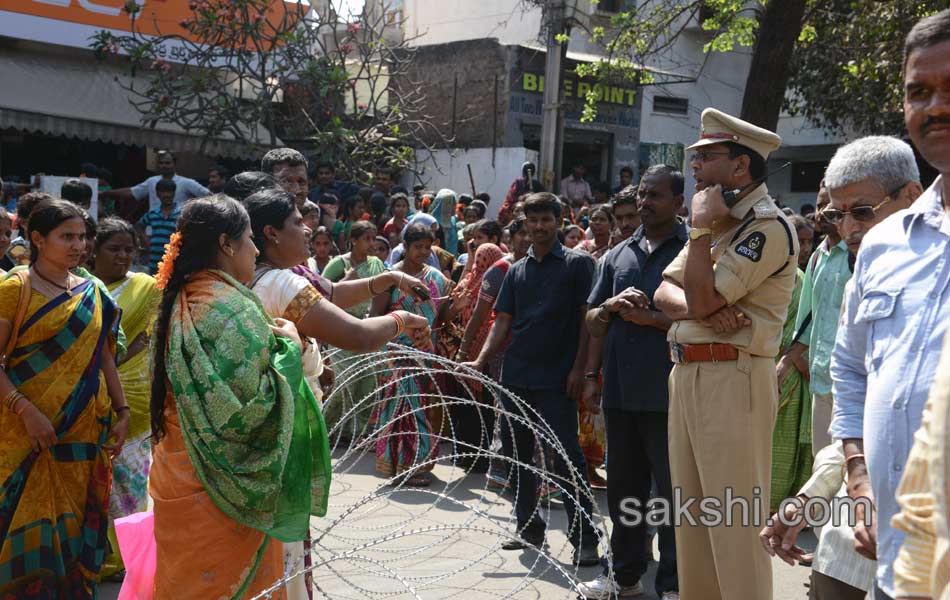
x: 242, y: 461
x: 281, y: 235
x: 358, y: 263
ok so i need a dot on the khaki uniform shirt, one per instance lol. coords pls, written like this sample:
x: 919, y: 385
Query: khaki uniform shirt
x: 754, y: 261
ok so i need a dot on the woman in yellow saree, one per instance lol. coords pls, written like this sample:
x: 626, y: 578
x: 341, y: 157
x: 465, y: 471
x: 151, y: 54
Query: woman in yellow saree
x: 138, y: 298
x: 242, y: 460
x: 55, y: 420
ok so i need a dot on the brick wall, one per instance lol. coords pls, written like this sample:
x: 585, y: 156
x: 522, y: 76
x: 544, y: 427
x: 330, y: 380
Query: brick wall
x: 476, y: 63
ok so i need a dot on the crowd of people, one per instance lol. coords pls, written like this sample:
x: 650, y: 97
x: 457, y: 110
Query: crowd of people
x: 176, y: 347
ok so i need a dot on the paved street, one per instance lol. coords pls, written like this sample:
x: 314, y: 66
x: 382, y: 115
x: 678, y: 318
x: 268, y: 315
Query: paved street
x: 445, y: 542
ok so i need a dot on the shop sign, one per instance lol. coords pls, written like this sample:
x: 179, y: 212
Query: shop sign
x: 73, y: 22
x: 574, y: 88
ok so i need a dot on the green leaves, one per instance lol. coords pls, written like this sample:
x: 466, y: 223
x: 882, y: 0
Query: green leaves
x: 639, y: 36
x: 846, y: 70
x: 807, y: 35
x: 290, y: 70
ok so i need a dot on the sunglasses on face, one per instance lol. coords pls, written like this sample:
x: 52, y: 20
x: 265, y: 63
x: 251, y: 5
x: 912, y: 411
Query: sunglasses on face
x: 858, y: 213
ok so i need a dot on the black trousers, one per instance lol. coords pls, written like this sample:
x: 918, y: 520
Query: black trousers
x: 560, y: 413
x: 824, y: 587
x: 473, y: 424
x: 637, y: 452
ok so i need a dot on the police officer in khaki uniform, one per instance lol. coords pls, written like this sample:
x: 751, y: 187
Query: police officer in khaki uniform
x: 727, y: 293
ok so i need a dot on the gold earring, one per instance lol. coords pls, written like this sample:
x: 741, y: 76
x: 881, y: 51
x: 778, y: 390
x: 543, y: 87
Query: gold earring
x: 230, y: 252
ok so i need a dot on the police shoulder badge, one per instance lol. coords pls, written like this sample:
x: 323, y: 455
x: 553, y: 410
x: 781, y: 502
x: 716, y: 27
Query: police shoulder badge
x: 752, y: 246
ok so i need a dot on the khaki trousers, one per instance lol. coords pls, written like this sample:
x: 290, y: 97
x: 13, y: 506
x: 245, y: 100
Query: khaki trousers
x: 720, y: 428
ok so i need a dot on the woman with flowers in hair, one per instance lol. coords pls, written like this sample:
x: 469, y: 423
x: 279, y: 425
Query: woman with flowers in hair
x: 241, y: 460
x: 62, y: 414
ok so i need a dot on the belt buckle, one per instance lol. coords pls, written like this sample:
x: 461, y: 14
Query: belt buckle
x: 676, y: 353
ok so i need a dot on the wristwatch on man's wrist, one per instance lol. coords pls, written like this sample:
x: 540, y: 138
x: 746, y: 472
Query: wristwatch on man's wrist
x: 697, y: 232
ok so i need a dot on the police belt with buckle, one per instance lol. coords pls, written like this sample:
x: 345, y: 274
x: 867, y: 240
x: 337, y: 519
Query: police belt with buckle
x: 690, y: 353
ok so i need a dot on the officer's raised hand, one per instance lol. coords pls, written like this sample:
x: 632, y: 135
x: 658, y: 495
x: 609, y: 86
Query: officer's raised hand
x: 709, y: 207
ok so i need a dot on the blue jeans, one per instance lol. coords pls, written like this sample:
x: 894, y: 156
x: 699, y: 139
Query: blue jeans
x: 560, y: 413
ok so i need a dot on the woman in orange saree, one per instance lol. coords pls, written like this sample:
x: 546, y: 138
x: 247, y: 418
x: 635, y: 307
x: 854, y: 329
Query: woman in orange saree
x: 242, y: 460
x: 59, y: 331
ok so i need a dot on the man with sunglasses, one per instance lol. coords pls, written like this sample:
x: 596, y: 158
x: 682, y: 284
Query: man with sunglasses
x: 896, y: 312
x: 856, y: 184
x: 727, y: 294
x: 870, y: 179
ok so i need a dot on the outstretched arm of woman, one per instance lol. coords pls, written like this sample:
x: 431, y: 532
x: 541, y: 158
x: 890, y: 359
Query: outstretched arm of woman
x: 121, y: 427
x: 331, y: 324
x: 351, y: 293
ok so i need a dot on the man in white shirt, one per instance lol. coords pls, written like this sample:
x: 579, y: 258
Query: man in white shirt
x: 185, y: 189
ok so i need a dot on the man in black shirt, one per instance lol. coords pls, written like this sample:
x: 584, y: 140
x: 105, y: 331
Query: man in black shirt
x: 543, y: 302
x: 636, y: 365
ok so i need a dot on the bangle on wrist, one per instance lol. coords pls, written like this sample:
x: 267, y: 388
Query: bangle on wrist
x: 122, y: 408
x: 10, y: 398
x: 600, y: 315
x: 852, y: 457
x: 369, y: 286
x: 20, y: 404
x: 591, y: 375
x: 400, y: 324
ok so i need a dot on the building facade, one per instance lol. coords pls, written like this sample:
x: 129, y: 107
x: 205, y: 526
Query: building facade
x: 476, y: 42
x: 60, y: 107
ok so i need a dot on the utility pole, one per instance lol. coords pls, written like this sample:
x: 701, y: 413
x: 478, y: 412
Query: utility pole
x: 551, y: 124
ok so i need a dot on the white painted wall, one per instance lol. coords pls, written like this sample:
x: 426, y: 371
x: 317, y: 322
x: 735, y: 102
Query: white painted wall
x: 443, y: 21
x: 449, y: 169
x: 720, y: 81
x: 798, y: 131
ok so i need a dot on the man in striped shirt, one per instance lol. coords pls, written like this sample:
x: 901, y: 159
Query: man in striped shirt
x: 158, y: 225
